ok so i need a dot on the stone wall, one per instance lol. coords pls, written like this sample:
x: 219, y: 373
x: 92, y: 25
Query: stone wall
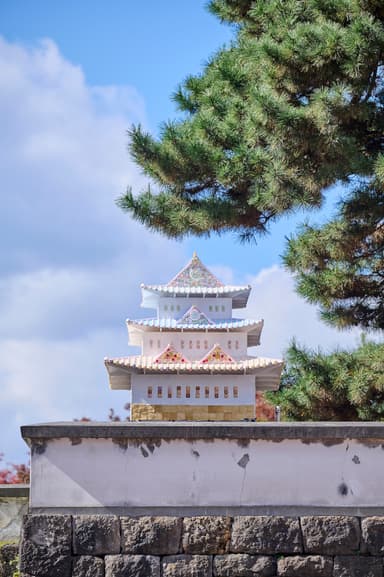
x: 204, y: 546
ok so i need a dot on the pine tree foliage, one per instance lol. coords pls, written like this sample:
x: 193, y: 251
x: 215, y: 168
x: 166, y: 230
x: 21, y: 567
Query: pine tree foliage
x: 292, y: 106
x: 341, y: 386
x: 341, y: 264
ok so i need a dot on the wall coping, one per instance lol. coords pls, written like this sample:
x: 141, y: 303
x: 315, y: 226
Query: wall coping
x: 17, y: 490
x: 205, y: 430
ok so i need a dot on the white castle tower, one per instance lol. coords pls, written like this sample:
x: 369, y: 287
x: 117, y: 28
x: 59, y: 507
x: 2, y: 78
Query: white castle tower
x: 194, y: 364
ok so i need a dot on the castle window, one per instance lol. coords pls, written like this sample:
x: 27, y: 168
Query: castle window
x: 169, y: 392
x: 178, y: 392
x: 223, y: 308
x: 181, y: 344
x: 206, y: 392
x: 236, y: 392
x: 158, y: 343
x: 188, y: 392
x: 217, y: 308
x: 191, y: 344
x: 149, y: 392
x: 225, y: 392
x: 210, y: 308
x: 229, y: 344
x: 216, y: 392
x: 197, y: 344
x: 206, y: 345
x: 197, y: 392
x: 236, y: 345
x: 159, y: 392
x: 172, y: 307
x: 151, y: 343
x: 165, y: 307
x: 178, y: 307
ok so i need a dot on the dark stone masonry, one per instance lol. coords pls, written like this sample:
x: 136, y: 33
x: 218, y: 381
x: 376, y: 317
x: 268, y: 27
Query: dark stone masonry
x: 210, y: 546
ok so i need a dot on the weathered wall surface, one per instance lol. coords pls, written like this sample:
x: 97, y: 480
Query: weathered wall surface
x: 13, y: 505
x: 204, y: 546
x: 248, y: 467
x: 185, y: 499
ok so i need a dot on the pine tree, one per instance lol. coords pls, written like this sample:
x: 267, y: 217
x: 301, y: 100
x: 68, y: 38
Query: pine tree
x: 341, y: 386
x: 291, y: 107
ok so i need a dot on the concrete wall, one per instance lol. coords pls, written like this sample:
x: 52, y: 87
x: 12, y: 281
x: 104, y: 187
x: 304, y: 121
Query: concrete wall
x: 197, y: 467
x: 13, y: 505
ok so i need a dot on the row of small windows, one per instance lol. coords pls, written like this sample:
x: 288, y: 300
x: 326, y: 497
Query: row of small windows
x: 195, y: 344
x: 197, y: 392
x: 211, y: 308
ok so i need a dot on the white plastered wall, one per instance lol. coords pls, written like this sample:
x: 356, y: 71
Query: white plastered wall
x: 220, y: 384
x: 195, y: 345
x: 202, y: 473
x: 213, y: 308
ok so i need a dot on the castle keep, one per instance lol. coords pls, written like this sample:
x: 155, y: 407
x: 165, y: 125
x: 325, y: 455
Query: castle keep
x: 194, y: 363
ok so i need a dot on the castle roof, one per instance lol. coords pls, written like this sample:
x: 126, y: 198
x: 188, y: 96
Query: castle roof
x: 195, y: 274
x: 267, y: 371
x: 252, y: 327
x: 196, y: 280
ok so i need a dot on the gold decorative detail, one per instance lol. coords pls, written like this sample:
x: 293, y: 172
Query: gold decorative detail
x: 217, y: 355
x: 170, y: 355
x: 141, y: 412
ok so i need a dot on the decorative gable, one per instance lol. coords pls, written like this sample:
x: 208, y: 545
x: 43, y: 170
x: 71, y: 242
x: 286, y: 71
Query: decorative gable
x: 170, y: 355
x: 217, y: 355
x: 194, y: 316
x: 195, y: 274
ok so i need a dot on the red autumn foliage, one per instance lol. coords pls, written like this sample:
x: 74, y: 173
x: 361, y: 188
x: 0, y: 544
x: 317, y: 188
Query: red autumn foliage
x: 265, y: 411
x: 14, y: 474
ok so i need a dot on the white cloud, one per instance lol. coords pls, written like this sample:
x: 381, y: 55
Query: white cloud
x: 286, y: 316
x: 71, y: 261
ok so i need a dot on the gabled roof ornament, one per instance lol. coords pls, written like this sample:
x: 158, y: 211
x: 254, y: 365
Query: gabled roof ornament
x: 195, y: 274
x: 194, y: 316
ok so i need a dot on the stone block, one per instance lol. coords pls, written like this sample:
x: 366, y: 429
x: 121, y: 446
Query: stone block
x: 132, y: 566
x: 305, y: 566
x: 242, y: 565
x: 8, y: 559
x: 96, y: 535
x: 331, y: 535
x: 87, y: 566
x: 266, y: 535
x: 206, y: 535
x: 151, y: 535
x: 186, y: 566
x: 358, y: 566
x: 46, y: 545
x: 372, y: 529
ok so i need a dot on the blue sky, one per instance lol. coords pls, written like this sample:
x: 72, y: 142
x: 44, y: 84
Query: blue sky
x: 74, y: 76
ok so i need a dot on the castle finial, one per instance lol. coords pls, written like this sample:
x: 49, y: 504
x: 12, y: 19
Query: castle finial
x: 194, y: 256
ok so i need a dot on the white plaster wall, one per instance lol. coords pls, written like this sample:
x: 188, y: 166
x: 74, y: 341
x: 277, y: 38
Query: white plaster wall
x: 175, y: 308
x: 233, y: 343
x: 244, y: 383
x: 100, y: 473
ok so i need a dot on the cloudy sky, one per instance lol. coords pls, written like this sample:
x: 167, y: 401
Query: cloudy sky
x: 73, y: 77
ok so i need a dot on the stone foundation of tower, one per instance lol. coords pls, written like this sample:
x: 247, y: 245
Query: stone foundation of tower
x: 143, y: 412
